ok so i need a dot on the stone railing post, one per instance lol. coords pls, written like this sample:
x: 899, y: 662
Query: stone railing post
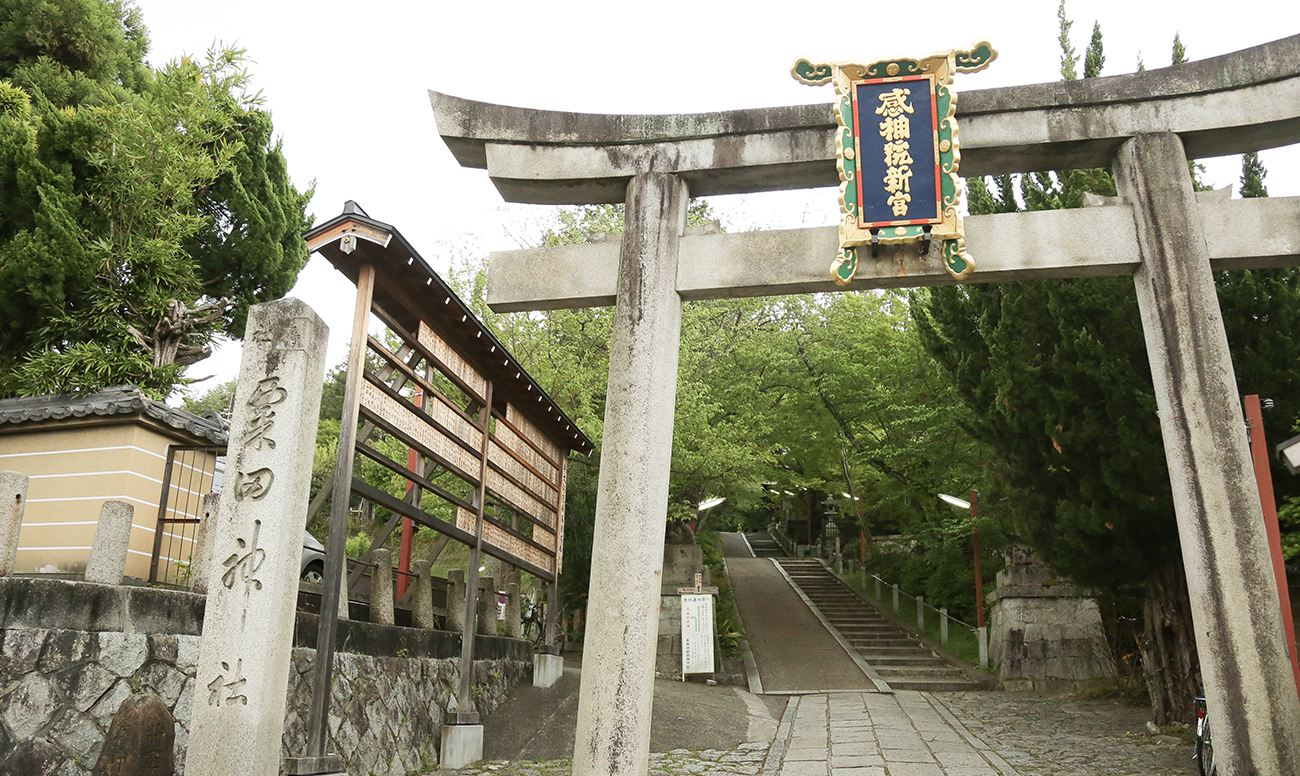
x: 514, y: 628
x: 456, y: 601
x: 422, y: 596
x: 895, y: 589
x: 943, y: 626
x: 242, y: 676
x: 920, y: 612
x: 107, y: 564
x: 487, y: 607
x: 201, y: 554
x: 13, y: 498
x: 381, y: 588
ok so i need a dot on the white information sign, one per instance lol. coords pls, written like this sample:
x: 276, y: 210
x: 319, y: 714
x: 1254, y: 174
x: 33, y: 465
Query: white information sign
x: 697, y: 634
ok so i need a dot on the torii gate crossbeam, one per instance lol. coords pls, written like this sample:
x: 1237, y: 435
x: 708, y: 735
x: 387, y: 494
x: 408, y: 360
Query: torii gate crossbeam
x: 1144, y: 126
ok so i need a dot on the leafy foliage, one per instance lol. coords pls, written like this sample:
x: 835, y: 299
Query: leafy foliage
x: 143, y: 211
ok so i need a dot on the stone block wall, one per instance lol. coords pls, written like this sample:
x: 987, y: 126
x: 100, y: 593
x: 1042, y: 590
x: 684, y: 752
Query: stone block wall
x: 61, y: 686
x: 59, y: 690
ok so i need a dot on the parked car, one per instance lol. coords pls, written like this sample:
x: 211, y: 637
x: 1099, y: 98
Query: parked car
x: 313, y: 560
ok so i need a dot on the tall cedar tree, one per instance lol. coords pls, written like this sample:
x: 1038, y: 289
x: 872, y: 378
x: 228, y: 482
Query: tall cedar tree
x: 141, y: 211
x: 1057, y: 377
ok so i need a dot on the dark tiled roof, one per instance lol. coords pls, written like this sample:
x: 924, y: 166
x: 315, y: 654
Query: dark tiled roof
x: 117, y: 400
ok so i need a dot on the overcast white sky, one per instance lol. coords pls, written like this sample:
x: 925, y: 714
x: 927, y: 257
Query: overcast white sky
x: 347, y: 85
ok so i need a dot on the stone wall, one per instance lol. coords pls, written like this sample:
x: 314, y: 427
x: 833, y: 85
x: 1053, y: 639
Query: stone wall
x: 59, y: 688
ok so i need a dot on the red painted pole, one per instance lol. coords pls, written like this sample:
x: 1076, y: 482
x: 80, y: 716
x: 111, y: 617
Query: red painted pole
x: 979, y: 579
x: 1264, y: 479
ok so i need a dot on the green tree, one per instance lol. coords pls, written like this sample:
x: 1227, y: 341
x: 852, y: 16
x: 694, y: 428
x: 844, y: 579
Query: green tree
x: 1056, y: 376
x: 143, y: 210
x: 1252, y: 176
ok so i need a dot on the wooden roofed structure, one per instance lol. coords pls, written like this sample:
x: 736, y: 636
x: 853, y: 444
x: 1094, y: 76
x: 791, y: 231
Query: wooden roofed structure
x: 486, y: 447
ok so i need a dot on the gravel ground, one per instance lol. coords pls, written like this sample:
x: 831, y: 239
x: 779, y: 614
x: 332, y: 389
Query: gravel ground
x: 1065, y: 735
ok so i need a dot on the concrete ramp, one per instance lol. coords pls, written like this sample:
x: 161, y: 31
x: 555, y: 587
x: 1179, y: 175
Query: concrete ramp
x: 794, y: 651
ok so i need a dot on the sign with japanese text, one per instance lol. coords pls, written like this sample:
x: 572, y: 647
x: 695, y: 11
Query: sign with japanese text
x: 898, y: 153
x: 697, y: 634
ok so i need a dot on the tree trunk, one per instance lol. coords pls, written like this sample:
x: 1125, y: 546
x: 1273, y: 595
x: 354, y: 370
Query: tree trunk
x: 1169, y: 659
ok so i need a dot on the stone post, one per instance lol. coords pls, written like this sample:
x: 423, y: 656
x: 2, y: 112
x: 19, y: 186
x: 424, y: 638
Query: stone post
x: 107, y: 564
x: 613, y: 731
x: 13, y: 499
x: 895, y: 589
x: 514, y: 628
x: 243, y: 667
x: 381, y: 588
x: 487, y: 607
x: 943, y: 626
x: 1249, y: 684
x: 456, y: 601
x: 422, y: 596
x: 879, y: 597
x: 201, y: 555
x: 920, y: 612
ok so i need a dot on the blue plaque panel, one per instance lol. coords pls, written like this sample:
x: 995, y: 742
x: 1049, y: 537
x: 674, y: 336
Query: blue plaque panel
x: 896, y: 132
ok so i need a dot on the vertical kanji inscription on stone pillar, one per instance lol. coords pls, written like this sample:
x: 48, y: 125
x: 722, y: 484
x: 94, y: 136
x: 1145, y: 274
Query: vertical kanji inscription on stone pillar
x: 243, y: 669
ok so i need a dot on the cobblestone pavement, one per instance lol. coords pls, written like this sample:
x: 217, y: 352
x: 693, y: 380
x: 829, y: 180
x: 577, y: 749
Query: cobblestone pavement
x: 1065, y: 735
x: 745, y: 760
x: 928, y: 734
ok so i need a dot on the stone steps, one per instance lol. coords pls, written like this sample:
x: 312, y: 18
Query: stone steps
x: 897, y: 656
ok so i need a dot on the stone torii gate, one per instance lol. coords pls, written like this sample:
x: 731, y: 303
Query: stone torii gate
x: 1144, y: 126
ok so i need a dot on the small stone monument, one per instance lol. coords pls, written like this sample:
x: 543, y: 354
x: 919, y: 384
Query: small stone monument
x: 242, y: 675
x: 1045, y: 633
x: 13, y: 496
x: 140, y: 739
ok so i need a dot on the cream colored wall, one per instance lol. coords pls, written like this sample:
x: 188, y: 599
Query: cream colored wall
x: 73, y: 472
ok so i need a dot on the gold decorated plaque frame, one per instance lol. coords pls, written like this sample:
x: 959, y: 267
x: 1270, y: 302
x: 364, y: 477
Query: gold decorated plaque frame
x: 855, y: 231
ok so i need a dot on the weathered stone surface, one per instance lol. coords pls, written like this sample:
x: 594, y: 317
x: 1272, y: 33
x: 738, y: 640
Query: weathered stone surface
x: 613, y: 730
x: 387, y: 710
x: 13, y: 500
x: 29, y: 706
x: 139, y: 742
x: 108, y: 552
x: 554, y: 157
x: 1249, y: 682
x: 201, y: 564
x: 122, y: 653
x: 456, y: 600
x: 381, y: 588
x: 248, y: 625
x: 422, y: 596
x: 487, y: 607
x: 1091, y: 242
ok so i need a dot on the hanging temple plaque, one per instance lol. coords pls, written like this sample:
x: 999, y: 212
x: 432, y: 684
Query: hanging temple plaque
x: 898, y: 153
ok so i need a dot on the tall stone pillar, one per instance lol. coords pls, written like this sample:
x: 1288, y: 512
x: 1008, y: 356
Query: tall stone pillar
x: 613, y: 731
x: 13, y: 499
x: 1249, y: 684
x: 243, y: 667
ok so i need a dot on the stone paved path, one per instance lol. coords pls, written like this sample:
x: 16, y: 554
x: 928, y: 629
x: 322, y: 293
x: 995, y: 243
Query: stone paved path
x: 923, y: 734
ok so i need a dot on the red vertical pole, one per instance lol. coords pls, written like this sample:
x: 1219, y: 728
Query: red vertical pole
x: 979, y: 579
x: 1264, y: 479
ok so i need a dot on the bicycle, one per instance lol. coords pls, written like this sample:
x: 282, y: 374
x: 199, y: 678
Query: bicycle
x: 534, y: 623
x: 1204, y: 743
x: 534, y: 628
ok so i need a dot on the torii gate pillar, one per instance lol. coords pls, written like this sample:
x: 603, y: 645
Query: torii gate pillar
x: 1244, y: 660
x: 613, y: 734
